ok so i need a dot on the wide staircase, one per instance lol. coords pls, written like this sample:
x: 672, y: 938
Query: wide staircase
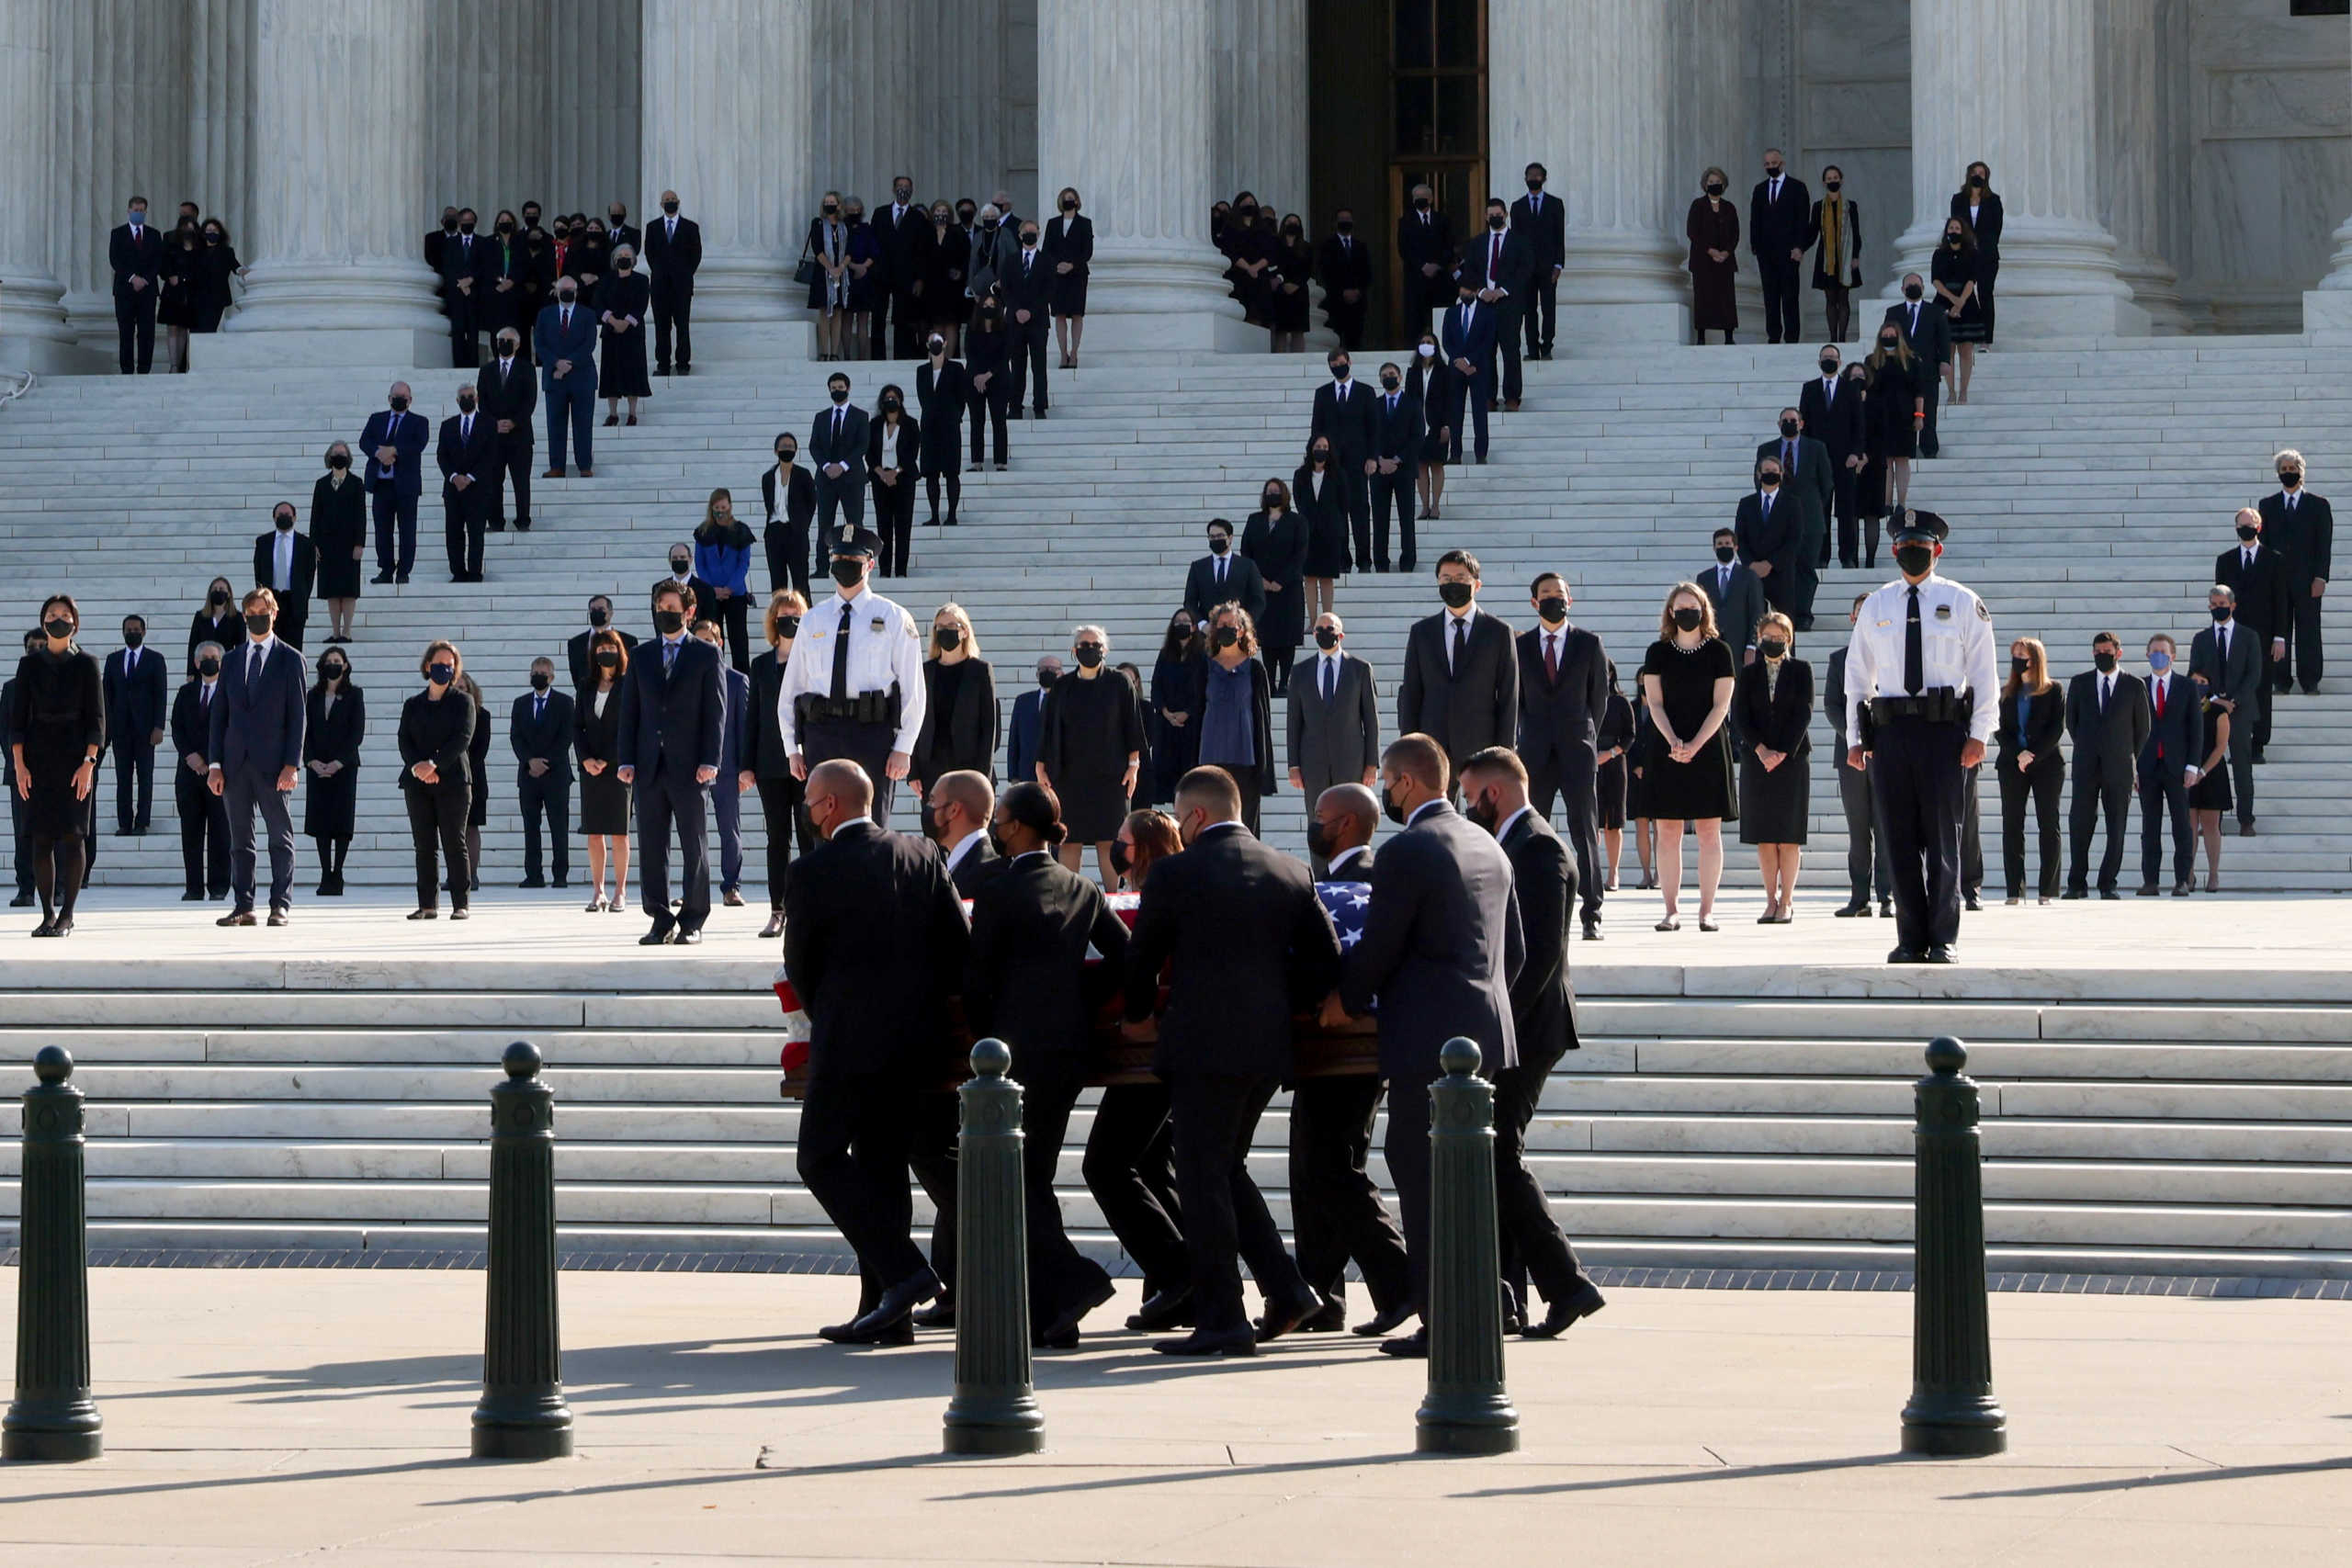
x: 334, y: 1100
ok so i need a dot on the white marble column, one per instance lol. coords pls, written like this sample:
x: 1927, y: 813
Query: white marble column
x: 2132, y: 149
x: 727, y: 120
x: 1598, y: 116
x: 2327, y: 310
x: 488, y: 107
x: 1123, y: 114
x: 120, y: 92
x: 339, y: 195
x: 966, y: 120
x: 874, y: 67
x: 2015, y: 83
x: 595, y: 136
x: 1258, y: 67
x: 33, y: 334
x: 220, y: 112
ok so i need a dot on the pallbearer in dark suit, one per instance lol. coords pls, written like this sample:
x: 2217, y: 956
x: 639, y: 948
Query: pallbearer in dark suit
x: 254, y: 755
x: 1829, y: 409
x: 671, y: 736
x: 2169, y: 759
x: 1563, y: 697
x: 468, y: 456
x: 394, y: 442
x: 878, y: 1016
x: 137, y: 695
x: 1396, y: 465
x: 1335, y: 1211
x: 672, y: 254
x: 540, y: 730
x: 335, y: 723
x: 2107, y: 716
x: 1461, y: 680
x: 1737, y: 594
x: 2301, y: 527
x: 1441, y: 949
x: 1544, y: 220
x: 1768, y: 528
x: 2226, y: 660
x: 1542, y: 1005
x: 135, y: 256
x: 1779, y: 230
x: 509, y: 400
x: 1027, y: 984
x: 1347, y: 413
x: 1246, y: 942
x: 1343, y: 266
x: 204, y: 816
x: 2256, y: 573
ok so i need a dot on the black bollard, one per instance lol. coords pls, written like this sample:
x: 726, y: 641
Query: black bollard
x: 1466, y: 1409
x: 1953, y: 1411
x: 995, y: 1409
x: 522, y: 1414
x: 52, y: 1416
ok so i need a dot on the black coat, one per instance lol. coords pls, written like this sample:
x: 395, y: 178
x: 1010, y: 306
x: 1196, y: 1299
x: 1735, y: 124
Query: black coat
x: 1781, y: 720
x: 1277, y: 547
x: 1776, y: 228
x: 2305, y: 536
x: 980, y: 862
x: 1463, y: 711
x: 1515, y: 272
x: 1422, y: 238
x: 2107, y: 746
x: 941, y: 396
x: 963, y: 739
x: 1354, y: 425
x: 1546, y: 228
x: 1267, y: 776
x: 576, y: 651
x: 2263, y: 605
x: 763, y: 752
x: 1397, y: 433
x: 1543, y: 1000
x: 191, y: 726
x: 334, y: 737
x: 905, y: 454
x: 1027, y: 981
x: 672, y: 261
x: 1837, y: 422
x: 302, y: 570
x: 472, y: 457
x: 678, y: 719
x: 1930, y: 338
x: 549, y: 735
x: 2045, y: 726
x: 1989, y: 218
x: 441, y: 733
x: 1243, y: 585
x: 874, y: 937
x: 1247, y: 944
x: 1774, y: 537
x: 1737, y: 608
x: 1561, y: 721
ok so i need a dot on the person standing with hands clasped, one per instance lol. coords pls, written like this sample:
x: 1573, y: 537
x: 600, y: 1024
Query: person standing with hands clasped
x: 1920, y: 693
x: 437, y: 732
x: 57, y: 728
x: 853, y: 687
x: 254, y: 759
x: 672, y: 711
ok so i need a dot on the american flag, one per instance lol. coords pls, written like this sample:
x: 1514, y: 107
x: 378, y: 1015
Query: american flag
x: 1346, y: 903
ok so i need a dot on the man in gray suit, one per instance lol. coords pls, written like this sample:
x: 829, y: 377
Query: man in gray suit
x: 1736, y: 593
x: 1334, y: 719
x: 1808, y: 478
x: 2226, y: 660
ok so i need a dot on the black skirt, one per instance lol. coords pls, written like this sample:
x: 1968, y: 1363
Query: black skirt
x: 604, y: 804
x: 1775, y: 804
x: 331, y: 804
x: 1608, y: 786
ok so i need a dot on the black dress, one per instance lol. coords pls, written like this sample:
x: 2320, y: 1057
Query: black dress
x: 213, y: 270
x: 1070, y: 240
x: 2211, y: 791
x: 622, y: 374
x: 58, y: 710
x: 1087, y: 732
x: 943, y: 300
x: 1775, y: 804
x: 338, y: 527
x: 478, y: 760
x: 1714, y: 298
x: 175, y: 306
x: 1278, y: 547
x: 1431, y: 380
x: 1325, y: 513
x: 1956, y: 270
x: 603, y: 799
x: 1700, y: 788
x: 1294, y: 267
x: 331, y: 804
x: 1175, y: 747
x: 1609, y: 781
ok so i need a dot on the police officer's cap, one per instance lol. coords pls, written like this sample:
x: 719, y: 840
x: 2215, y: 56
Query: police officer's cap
x: 850, y: 540
x: 1925, y: 527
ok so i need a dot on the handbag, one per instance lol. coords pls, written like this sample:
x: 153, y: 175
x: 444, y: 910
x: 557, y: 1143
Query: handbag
x: 808, y: 274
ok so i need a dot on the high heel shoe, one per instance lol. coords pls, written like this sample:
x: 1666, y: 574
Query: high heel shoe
x: 619, y: 905
x: 595, y: 903
x: 1771, y: 915
x: 2212, y: 882
x: 611, y: 420
x: 1707, y: 925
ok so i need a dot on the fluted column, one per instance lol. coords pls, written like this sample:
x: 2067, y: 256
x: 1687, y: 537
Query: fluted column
x: 728, y: 117
x: 33, y: 334
x: 1258, y: 65
x: 1123, y: 115
x: 220, y: 113
x: 876, y: 62
x: 596, y: 138
x: 1599, y: 117
x: 2130, y: 151
x: 120, y: 91
x: 2015, y: 83
x: 965, y: 114
x: 339, y: 92
x: 486, y: 71
x: 2327, y: 310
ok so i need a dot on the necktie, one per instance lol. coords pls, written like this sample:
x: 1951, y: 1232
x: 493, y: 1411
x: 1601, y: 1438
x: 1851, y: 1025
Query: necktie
x: 1915, y: 656
x: 1915, y: 318
x: 1723, y: 581
x: 465, y: 428
x: 208, y: 698
x: 669, y: 657
x: 1494, y: 257
x: 567, y: 317
x: 253, y: 669
x: 2160, y: 707
x: 1551, y: 657
x: 1767, y: 504
x: 1392, y: 402
x: 2249, y: 559
x: 1789, y: 455
x: 840, y: 654
x: 1460, y: 641
x: 837, y: 429
x: 1829, y: 389
x: 1331, y: 679
x: 539, y: 709
x: 1220, y: 572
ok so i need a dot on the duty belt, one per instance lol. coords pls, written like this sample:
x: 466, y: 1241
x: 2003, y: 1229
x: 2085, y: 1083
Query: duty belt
x: 866, y: 707
x: 1940, y: 705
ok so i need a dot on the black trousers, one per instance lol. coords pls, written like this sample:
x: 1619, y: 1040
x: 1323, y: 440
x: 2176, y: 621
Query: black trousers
x: 2305, y: 650
x: 856, y: 1134
x: 673, y: 311
x: 834, y: 496
x: 2241, y: 762
x: 134, y: 325
x: 1130, y: 1170
x: 931, y: 1154
x: 2097, y: 795
x: 134, y: 782
x: 1846, y: 506
x: 1355, y: 495
x: 1918, y: 787
x: 907, y: 326
x: 780, y: 809
x: 1972, y: 838
x: 1506, y: 319
x: 204, y: 836
x: 1025, y: 347
x: 461, y: 528
x: 1779, y: 277
x: 23, y: 842
x: 1865, y: 845
x: 1571, y: 778
x: 987, y: 410
x: 2162, y: 796
x: 1531, y: 1239
x: 1929, y: 444
x: 1391, y: 491
x: 1336, y: 1211
x: 788, y: 549
x: 1061, y: 1277
x: 464, y: 330
x: 867, y: 745
x: 1406, y: 1149
x: 247, y: 789
x: 894, y: 519
x: 548, y: 795
x: 437, y: 815
x: 733, y: 614
x: 662, y: 797
x: 2042, y: 788
x: 395, y: 530
x: 1542, y: 313
x: 514, y: 466
x: 1224, y: 1215
x: 1474, y: 412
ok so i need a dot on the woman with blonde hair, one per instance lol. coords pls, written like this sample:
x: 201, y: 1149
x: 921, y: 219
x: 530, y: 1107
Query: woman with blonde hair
x: 2029, y: 764
x: 1090, y: 749
x: 767, y: 767
x: 1687, y: 679
x: 1235, y: 700
x: 959, y: 722
x: 1775, y: 701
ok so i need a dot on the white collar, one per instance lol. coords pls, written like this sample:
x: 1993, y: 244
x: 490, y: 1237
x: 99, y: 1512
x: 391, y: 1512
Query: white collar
x: 1503, y: 830
x: 1344, y: 856
x: 1213, y: 827
x: 1027, y: 854
x: 839, y: 827
x: 264, y: 643
x: 963, y: 847
x: 862, y: 589
x: 1434, y: 800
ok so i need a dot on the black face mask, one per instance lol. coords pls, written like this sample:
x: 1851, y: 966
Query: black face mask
x: 618, y: 217
x: 449, y: 225
x: 668, y: 623
x: 506, y: 228
x: 1911, y: 291
x: 1552, y: 608
x: 607, y: 660
x: 1326, y: 638
x: 2290, y: 478
x: 1225, y: 637
x: 465, y: 228
x: 1770, y: 648
x: 2249, y: 532
x: 1339, y: 372
x: 1888, y: 344
x: 671, y: 208
x: 1346, y: 225
x: 787, y: 455
x: 839, y: 394
x: 787, y: 628
x: 1120, y: 864
x: 1788, y: 427
x: 258, y: 625
x: 133, y: 638
x: 1420, y: 204
x: 2103, y: 660
x: 1045, y: 679
x: 400, y: 405
x: 1714, y: 189
x: 679, y: 565
x: 599, y: 616
x: 1090, y: 654
x: 1833, y: 184
x: 541, y: 680
x: 1218, y: 545
x: 1915, y: 560
x: 2222, y: 613
x: 1536, y: 184
x: 340, y: 461
x: 1494, y: 221
x: 465, y: 405
x: 207, y: 666
x: 1829, y: 367
x: 1319, y: 457
x: 1390, y: 382
x: 1389, y: 809
x: 1767, y: 481
x: 1726, y: 553
x: 849, y: 570
x: 1455, y: 595
x: 950, y: 638
x: 2019, y: 666
x: 1487, y: 817
x: 58, y: 627
x: 1951, y: 242
x: 1689, y: 618
x: 1271, y: 499
x: 219, y: 598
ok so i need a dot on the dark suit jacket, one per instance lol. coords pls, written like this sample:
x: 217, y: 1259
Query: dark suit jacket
x: 1810, y: 481
x: 1739, y: 608
x: 334, y: 737
x: 1023, y: 736
x: 2239, y: 676
x: 549, y: 735
x: 1442, y: 945
x: 191, y: 727
x: 1398, y: 435
x: 513, y: 397
x: 2045, y: 723
x: 1067, y: 240
x: 472, y: 458
x: 1477, y: 344
x: 1027, y: 981
x: 1029, y: 287
x: 1776, y: 228
x: 672, y: 262
x: 1782, y: 721
x: 1248, y: 943
x: 1774, y: 537
x: 1423, y: 237
x: 874, y: 938
x: 550, y: 342
x: 406, y: 475
x: 302, y: 570
x: 1988, y: 221
x: 974, y: 871
x: 675, y: 720
x: 1338, y: 742
x: 128, y: 258
x: 1561, y: 721
x: 1244, y: 584
x: 1340, y: 266
x: 2107, y: 746
x: 2264, y: 606
x: 1518, y: 268
x: 950, y: 740
x: 577, y: 650
x: 2179, y: 735
x: 135, y: 704
x: 257, y: 724
x: 2305, y: 536
x: 799, y: 501
x: 441, y: 733
x: 1931, y: 340
x: 905, y: 454
x: 905, y: 242
x: 1352, y: 425
x: 1466, y: 710
x: 822, y: 448
x: 1546, y: 229
x: 1542, y: 1001
x: 1837, y: 422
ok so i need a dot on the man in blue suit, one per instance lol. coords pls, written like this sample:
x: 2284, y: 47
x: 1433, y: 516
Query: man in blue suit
x: 137, y: 698
x: 564, y: 343
x: 1020, y: 739
x: 394, y: 442
x: 1469, y: 345
x: 674, y: 711
x: 255, y: 756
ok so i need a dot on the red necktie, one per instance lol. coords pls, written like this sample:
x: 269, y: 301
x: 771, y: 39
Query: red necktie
x: 1551, y: 657
x: 1494, y: 258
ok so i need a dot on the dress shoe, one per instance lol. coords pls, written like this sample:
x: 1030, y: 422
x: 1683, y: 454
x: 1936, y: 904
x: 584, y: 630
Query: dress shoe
x: 1384, y: 1322
x: 587, y: 473
x: 1331, y: 1318
x: 1238, y: 1342
x: 659, y: 935
x: 381, y: 578
x: 1886, y: 909
x: 1165, y: 1310
x: 2109, y: 893
x: 532, y: 881
x: 1413, y: 1346
x: 940, y: 1313
x: 1056, y: 1337
x: 47, y: 927
x: 402, y: 580
x: 733, y: 899
x: 552, y: 474
x: 1559, y: 1315
x: 1065, y: 1323
x: 2074, y: 893
x: 190, y: 897
x: 424, y: 914
x: 660, y: 371
x: 2148, y: 890
x: 2246, y: 829
x: 1593, y: 931
x: 1944, y: 953
x: 1281, y: 1319
x: 237, y: 918
x: 522, y: 525
x: 1856, y: 907
x: 2258, y: 756
x: 896, y: 1306
x: 2182, y: 889
x: 279, y: 917
x: 1511, y: 405
x: 462, y: 913
x: 844, y: 1334
x: 687, y: 938
x: 1972, y: 905
x: 774, y: 929
x: 1905, y: 955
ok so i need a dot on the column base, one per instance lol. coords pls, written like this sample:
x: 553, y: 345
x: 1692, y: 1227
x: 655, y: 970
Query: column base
x: 35, y: 335
x: 2327, y: 315
x: 1141, y: 296
x: 735, y: 342
x: 1583, y: 324
x: 356, y: 348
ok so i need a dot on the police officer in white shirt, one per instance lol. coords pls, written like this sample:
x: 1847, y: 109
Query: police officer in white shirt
x: 853, y: 687
x: 1920, y: 688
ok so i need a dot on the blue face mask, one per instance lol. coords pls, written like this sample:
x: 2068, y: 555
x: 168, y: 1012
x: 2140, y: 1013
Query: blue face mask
x: 2159, y: 660
x: 441, y: 674
x: 138, y: 215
